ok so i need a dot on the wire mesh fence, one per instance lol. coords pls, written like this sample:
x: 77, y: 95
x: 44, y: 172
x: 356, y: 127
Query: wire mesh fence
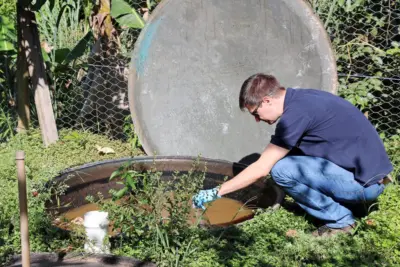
x: 366, y: 36
x: 94, y: 97
x: 90, y: 93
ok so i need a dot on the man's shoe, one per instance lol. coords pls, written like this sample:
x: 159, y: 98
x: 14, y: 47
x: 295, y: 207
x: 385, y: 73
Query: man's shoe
x: 325, y: 231
x: 387, y: 180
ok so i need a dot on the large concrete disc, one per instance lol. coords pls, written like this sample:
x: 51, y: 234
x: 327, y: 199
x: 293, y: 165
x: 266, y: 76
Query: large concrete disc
x: 192, y: 58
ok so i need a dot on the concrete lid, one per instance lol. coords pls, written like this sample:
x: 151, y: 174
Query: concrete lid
x: 192, y: 58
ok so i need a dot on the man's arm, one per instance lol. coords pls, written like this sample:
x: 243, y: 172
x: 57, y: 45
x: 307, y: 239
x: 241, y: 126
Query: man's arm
x: 255, y: 171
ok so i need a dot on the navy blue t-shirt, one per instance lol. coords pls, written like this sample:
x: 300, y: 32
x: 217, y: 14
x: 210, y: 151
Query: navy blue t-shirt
x: 321, y: 124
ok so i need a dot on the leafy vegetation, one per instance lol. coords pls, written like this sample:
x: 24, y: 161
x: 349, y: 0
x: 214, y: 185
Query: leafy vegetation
x: 42, y: 164
x: 154, y: 223
x: 7, y: 75
x: 8, y: 7
x: 72, y: 62
x: 272, y: 238
x: 364, y: 34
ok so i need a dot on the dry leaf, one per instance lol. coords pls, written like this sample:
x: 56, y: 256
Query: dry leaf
x: 78, y: 221
x: 291, y: 233
x: 11, y: 102
x: 370, y: 222
x: 46, y: 47
x: 105, y: 150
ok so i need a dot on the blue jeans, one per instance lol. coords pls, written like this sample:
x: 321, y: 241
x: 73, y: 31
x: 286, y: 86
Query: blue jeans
x: 320, y: 187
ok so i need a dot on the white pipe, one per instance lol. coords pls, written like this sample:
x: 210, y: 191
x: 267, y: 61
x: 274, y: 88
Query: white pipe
x: 96, y: 226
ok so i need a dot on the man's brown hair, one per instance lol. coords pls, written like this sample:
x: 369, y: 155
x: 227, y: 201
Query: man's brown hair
x: 256, y: 87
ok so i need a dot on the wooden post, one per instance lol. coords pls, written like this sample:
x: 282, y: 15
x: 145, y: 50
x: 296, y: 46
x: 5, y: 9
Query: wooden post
x: 23, y: 208
x: 30, y: 44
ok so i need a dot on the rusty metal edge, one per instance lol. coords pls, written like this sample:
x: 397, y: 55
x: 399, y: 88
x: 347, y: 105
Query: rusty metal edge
x: 101, y: 169
x: 148, y: 159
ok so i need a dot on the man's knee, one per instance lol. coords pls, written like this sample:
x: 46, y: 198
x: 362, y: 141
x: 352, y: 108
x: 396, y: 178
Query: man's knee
x: 281, y: 173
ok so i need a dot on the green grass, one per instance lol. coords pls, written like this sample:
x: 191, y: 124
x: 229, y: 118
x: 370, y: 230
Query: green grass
x: 272, y: 238
x: 42, y: 164
x: 282, y: 238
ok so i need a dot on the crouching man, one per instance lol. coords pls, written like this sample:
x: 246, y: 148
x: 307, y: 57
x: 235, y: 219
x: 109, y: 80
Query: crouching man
x: 341, y: 160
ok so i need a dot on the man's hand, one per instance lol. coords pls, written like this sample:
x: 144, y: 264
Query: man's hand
x: 205, y: 196
x: 255, y: 171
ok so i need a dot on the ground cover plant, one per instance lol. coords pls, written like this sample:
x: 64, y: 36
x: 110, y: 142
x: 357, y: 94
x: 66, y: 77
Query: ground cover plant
x: 272, y: 238
x: 364, y: 36
x: 73, y: 148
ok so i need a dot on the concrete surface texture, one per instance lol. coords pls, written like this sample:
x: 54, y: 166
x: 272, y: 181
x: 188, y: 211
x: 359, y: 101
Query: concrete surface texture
x: 192, y: 58
x: 76, y: 259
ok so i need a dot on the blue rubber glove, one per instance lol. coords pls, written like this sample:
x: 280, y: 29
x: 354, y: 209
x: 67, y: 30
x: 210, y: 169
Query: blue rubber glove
x: 204, y: 196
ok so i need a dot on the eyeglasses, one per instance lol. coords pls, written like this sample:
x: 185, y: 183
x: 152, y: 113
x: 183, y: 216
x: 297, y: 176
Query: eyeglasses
x: 255, y: 113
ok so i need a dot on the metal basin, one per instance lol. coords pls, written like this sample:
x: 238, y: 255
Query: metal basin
x: 90, y: 179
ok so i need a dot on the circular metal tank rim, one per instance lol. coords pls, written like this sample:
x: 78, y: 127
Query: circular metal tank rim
x: 146, y: 159
x: 88, y: 179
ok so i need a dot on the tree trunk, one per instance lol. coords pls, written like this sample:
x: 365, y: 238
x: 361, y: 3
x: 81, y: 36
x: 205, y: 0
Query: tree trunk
x: 22, y: 83
x: 30, y: 44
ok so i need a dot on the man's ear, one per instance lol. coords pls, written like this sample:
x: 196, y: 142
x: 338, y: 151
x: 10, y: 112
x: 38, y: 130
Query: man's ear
x: 266, y: 99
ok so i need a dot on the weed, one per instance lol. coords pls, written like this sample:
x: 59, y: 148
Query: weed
x: 42, y: 164
x: 272, y: 238
x: 129, y: 132
x: 151, y: 217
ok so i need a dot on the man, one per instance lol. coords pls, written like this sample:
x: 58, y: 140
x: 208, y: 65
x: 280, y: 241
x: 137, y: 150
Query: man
x: 342, y: 158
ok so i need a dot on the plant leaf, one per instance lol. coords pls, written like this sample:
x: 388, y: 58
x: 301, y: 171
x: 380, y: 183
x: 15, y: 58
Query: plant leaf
x: 38, y: 4
x: 121, y: 192
x: 46, y: 57
x: 114, y: 174
x: 393, y: 51
x: 51, y: 5
x: 125, y: 15
x: 119, y: 7
x: 61, y: 54
x: 131, y: 182
x: 150, y: 4
x: 73, y: 136
x: 131, y: 21
x: 61, y: 13
x: 7, y: 34
x: 80, y: 48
